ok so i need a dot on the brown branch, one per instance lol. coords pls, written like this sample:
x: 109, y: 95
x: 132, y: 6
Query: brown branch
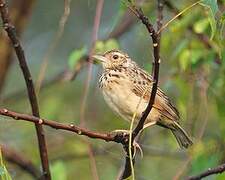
x: 10, y: 29
x: 16, y: 158
x: 217, y: 170
x: 20, y: 13
x: 155, y: 40
x: 160, y: 5
x: 67, y: 127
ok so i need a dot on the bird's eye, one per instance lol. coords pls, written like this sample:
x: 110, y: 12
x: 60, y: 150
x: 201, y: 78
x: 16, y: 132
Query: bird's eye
x: 115, y: 56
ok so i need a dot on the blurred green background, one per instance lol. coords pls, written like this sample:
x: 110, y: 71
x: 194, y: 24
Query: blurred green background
x: 192, y: 73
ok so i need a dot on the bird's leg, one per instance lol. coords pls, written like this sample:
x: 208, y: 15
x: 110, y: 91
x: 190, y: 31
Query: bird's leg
x: 137, y: 146
x: 135, y: 143
x: 148, y: 125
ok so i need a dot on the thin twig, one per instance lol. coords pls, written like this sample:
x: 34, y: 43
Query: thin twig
x: 202, y: 37
x: 160, y: 5
x: 10, y: 29
x: 179, y: 14
x: 217, y: 170
x: 155, y: 39
x: 22, y: 10
x: 90, y: 60
x: 70, y: 75
x: 94, y: 38
x: 203, y: 114
x: 20, y: 160
x: 53, y: 45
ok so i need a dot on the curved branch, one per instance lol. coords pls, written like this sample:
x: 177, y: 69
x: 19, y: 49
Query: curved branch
x: 155, y: 40
x: 10, y: 29
x: 217, y: 170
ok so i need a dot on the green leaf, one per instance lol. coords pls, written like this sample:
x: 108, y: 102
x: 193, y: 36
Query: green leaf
x: 101, y: 47
x: 111, y: 44
x: 180, y: 47
x: 204, y: 157
x: 4, y: 175
x: 222, y: 26
x: 212, y: 4
x: 213, y: 9
x: 75, y: 56
x: 201, y: 25
x: 196, y: 55
x: 184, y: 59
x: 58, y: 171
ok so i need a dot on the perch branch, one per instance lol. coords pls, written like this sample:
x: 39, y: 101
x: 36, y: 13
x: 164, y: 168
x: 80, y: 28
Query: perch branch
x: 217, y: 170
x: 155, y: 40
x: 119, y: 138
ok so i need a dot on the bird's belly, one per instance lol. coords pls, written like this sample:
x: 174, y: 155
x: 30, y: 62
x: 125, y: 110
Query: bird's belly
x: 125, y: 103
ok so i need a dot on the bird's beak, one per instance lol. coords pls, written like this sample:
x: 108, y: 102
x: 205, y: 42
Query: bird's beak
x: 99, y: 58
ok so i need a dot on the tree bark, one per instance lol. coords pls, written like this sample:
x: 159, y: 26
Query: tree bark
x: 20, y: 11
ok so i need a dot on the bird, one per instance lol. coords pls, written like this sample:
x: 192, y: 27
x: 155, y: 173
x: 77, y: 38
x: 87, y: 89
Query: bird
x: 123, y: 83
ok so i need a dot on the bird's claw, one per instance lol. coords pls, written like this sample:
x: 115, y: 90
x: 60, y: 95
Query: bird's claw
x: 135, y: 144
x: 137, y: 147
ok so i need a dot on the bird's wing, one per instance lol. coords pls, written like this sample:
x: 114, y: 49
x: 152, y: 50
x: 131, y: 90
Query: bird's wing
x: 142, y: 85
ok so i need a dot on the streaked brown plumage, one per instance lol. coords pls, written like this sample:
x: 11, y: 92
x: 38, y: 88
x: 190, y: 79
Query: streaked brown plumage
x: 123, y: 83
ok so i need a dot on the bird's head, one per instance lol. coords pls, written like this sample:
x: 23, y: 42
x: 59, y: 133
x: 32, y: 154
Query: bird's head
x: 114, y: 59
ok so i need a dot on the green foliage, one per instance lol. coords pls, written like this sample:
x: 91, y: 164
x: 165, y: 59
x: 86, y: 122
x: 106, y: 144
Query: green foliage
x: 75, y: 56
x: 212, y: 10
x: 222, y: 25
x: 201, y: 25
x: 58, y: 170
x: 4, y: 175
x: 190, y: 64
x: 102, y: 47
x: 204, y: 158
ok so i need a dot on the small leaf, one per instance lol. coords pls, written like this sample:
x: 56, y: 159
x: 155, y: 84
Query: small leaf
x: 180, y: 47
x: 58, y: 170
x: 222, y: 25
x: 4, y: 175
x: 196, y: 55
x: 75, y: 56
x: 212, y: 4
x: 99, y: 47
x: 213, y: 9
x: 111, y: 44
x: 201, y: 25
x: 184, y: 59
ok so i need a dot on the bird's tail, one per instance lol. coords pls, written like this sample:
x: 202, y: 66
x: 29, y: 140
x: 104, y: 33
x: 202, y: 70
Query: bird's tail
x: 181, y: 136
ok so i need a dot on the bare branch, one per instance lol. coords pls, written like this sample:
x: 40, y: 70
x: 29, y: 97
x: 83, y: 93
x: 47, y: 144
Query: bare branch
x: 10, y: 29
x: 21, y: 161
x: 69, y: 127
x: 155, y: 39
x: 217, y: 170
x: 53, y: 45
x: 21, y: 13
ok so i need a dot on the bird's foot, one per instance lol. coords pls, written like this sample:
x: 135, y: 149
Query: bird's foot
x: 136, y: 148
x: 125, y: 134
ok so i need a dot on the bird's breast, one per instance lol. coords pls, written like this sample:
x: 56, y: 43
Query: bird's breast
x: 117, y: 92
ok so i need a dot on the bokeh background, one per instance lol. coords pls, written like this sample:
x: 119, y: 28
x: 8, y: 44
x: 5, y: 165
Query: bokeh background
x: 192, y: 73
